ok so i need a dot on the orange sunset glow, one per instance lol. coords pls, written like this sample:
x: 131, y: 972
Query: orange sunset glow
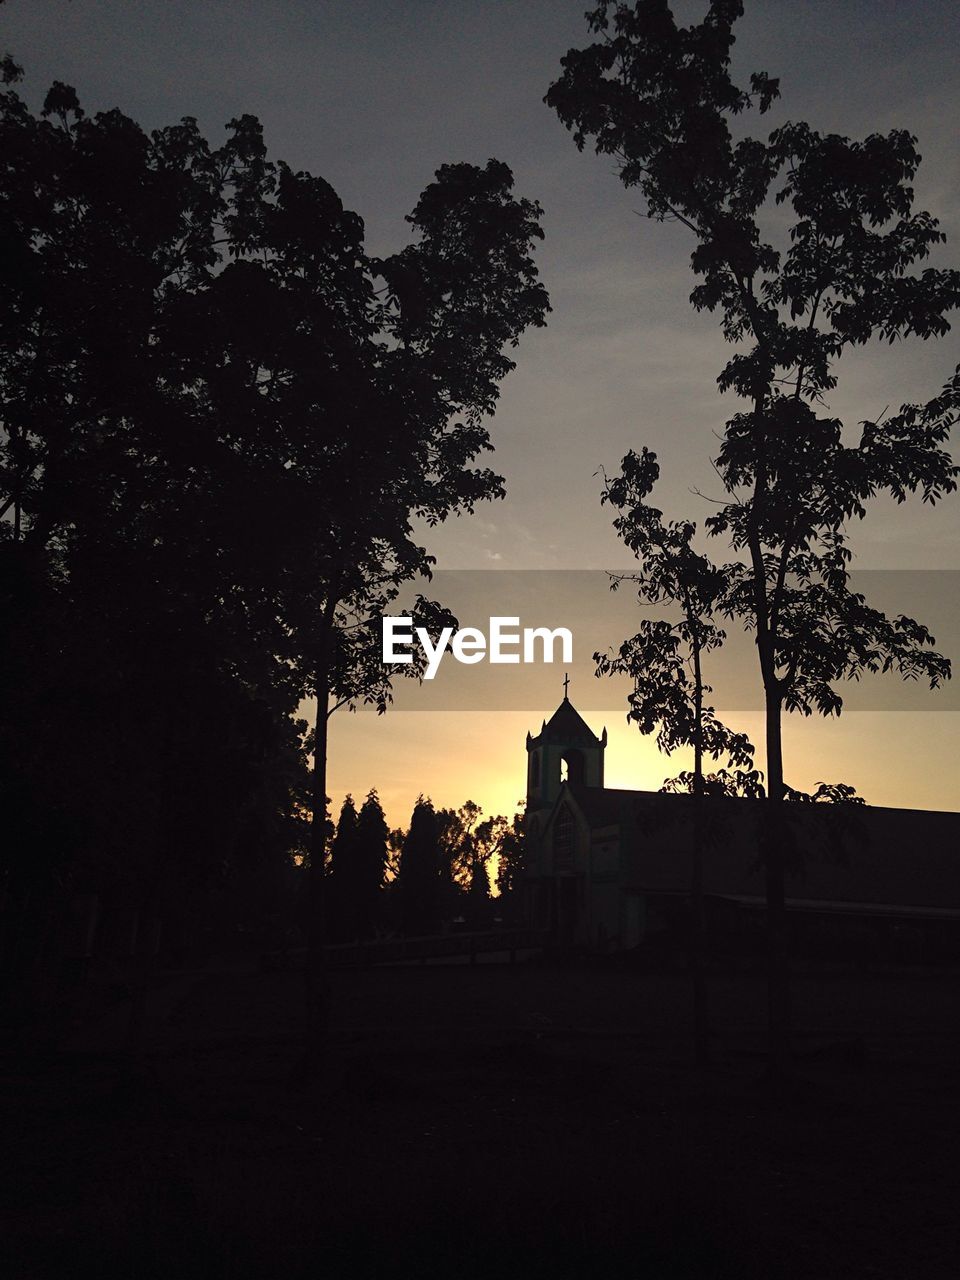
x: 476, y: 755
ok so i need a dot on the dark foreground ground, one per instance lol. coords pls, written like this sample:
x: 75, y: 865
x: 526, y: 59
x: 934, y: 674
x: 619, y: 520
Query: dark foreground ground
x: 536, y: 1122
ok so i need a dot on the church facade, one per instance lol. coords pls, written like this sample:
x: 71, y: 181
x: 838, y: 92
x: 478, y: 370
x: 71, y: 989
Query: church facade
x: 607, y: 869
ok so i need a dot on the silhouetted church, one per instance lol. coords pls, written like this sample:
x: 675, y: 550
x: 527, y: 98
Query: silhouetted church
x: 606, y: 869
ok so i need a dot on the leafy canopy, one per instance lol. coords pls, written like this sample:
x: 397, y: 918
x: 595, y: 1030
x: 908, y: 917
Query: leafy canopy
x: 660, y: 99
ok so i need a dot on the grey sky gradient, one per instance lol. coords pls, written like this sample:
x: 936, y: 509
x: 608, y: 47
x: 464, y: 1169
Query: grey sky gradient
x: 375, y: 94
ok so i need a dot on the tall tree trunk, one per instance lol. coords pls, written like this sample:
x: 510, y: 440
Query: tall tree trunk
x: 144, y: 958
x: 774, y: 841
x: 701, y: 1030
x: 773, y: 835
x: 318, y: 995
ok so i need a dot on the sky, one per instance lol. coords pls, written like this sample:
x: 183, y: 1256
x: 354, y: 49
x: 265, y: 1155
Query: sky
x: 374, y: 95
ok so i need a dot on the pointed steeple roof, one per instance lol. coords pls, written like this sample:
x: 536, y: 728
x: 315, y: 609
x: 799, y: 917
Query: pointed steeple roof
x: 567, y: 725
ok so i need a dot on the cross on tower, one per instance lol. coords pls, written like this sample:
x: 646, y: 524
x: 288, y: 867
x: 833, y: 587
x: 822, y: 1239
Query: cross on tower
x: 566, y: 682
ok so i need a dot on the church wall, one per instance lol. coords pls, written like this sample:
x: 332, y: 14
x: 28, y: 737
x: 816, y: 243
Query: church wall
x: 605, y: 925
x: 633, y: 919
x: 605, y: 855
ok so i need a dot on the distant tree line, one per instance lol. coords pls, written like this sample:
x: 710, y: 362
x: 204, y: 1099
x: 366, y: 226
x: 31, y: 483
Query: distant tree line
x: 433, y: 877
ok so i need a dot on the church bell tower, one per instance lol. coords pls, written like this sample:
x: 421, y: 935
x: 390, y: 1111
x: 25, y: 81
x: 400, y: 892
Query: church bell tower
x: 565, y: 750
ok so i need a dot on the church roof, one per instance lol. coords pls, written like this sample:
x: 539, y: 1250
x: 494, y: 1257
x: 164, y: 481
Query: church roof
x: 607, y: 806
x: 903, y: 856
x: 567, y: 725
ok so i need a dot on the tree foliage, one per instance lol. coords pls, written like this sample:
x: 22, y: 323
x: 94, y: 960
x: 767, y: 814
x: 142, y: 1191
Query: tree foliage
x: 418, y: 879
x: 664, y: 660
x: 660, y: 99
x: 221, y: 419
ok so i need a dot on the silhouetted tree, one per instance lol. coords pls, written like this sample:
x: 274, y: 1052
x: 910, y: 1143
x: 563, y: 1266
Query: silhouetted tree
x: 510, y: 865
x: 664, y: 661
x: 418, y: 881
x: 131, y: 630
x: 372, y: 836
x: 214, y: 395
x: 358, y: 858
x: 386, y: 389
x: 395, y: 839
x: 467, y: 844
x: 340, y: 904
x: 659, y: 99
x: 457, y: 829
x: 485, y: 843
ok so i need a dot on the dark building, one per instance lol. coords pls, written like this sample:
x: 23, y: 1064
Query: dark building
x: 610, y: 869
